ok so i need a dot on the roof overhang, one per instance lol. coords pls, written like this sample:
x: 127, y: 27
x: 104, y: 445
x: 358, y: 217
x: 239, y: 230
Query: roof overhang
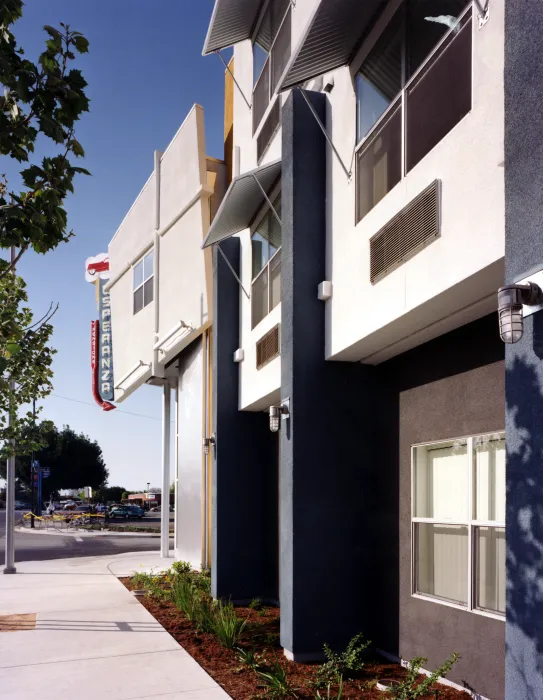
x: 232, y: 21
x: 242, y: 202
x: 330, y: 40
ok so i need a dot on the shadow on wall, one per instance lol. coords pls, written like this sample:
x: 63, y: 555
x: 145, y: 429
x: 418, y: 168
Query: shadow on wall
x: 524, y: 525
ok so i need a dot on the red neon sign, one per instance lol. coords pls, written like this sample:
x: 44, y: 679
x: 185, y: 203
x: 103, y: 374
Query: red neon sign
x: 105, y: 405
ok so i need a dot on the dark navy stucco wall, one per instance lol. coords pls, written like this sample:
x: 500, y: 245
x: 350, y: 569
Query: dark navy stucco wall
x: 326, y: 448
x: 244, y: 482
x: 523, y: 77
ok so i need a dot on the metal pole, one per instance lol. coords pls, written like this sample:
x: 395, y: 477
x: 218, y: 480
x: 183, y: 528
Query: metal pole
x: 32, y: 471
x: 233, y: 78
x: 232, y: 269
x: 326, y: 136
x: 165, y: 509
x: 9, y: 567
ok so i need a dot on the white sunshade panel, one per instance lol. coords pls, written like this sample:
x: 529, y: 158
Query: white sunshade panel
x: 330, y: 39
x: 242, y: 202
x: 232, y: 21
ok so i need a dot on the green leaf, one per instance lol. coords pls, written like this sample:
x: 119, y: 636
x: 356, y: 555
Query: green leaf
x: 12, y: 349
x: 55, y: 33
x: 81, y: 44
x: 77, y: 148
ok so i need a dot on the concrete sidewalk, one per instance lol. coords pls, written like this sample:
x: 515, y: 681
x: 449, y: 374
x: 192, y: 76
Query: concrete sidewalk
x: 91, y: 637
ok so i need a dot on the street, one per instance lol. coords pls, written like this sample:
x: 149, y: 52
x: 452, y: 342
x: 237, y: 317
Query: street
x: 38, y: 547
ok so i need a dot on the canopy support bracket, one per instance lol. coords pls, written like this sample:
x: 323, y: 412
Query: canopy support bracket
x: 232, y: 270
x: 347, y: 172
x: 268, y: 200
x: 219, y: 54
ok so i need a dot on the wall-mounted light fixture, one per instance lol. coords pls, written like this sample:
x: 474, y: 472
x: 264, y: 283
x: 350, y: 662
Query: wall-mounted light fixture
x: 511, y: 300
x: 282, y: 411
x: 207, y: 442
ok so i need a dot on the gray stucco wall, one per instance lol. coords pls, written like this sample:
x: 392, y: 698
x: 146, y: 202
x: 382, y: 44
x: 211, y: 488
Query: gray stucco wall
x: 450, y: 387
x: 523, y: 78
x: 244, y: 482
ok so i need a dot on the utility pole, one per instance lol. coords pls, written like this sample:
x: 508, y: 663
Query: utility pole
x: 9, y: 567
x: 32, y: 470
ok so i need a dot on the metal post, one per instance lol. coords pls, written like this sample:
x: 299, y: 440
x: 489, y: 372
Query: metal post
x: 9, y: 567
x: 218, y: 52
x: 165, y: 509
x: 32, y: 471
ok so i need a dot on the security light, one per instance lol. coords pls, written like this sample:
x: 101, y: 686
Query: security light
x: 511, y: 299
x: 278, y: 412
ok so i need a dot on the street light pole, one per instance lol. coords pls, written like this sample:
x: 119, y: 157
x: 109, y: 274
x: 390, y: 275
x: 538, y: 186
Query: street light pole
x: 9, y: 567
x: 32, y: 470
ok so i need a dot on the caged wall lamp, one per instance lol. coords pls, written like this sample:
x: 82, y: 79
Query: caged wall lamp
x: 278, y: 412
x: 207, y: 442
x: 511, y: 300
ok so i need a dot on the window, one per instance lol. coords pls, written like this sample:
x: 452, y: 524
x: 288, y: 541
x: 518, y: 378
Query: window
x: 143, y: 281
x: 405, y: 106
x: 266, y: 264
x: 458, y: 522
x: 271, y: 52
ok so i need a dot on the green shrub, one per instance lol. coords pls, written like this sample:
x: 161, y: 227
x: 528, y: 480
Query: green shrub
x: 195, y: 603
x: 416, y: 685
x: 255, y: 604
x: 275, y: 681
x: 329, y: 695
x: 141, y: 579
x: 181, y: 567
x: 344, y: 664
x: 226, y: 624
x: 251, y: 658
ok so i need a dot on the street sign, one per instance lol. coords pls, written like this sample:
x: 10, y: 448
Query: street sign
x: 45, y: 472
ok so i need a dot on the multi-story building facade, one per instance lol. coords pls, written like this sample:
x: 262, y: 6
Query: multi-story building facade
x: 386, y: 182
x: 161, y: 288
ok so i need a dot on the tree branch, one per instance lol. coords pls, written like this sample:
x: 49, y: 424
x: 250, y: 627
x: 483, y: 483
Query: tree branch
x: 11, y: 266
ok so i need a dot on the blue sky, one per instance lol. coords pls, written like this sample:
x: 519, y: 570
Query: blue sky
x: 145, y: 71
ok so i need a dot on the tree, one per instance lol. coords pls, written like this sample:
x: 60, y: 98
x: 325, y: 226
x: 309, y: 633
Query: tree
x: 124, y: 496
x: 42, y: 99
x: 74, y: 459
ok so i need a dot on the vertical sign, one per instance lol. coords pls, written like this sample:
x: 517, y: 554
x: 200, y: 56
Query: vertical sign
x: 105, y: 355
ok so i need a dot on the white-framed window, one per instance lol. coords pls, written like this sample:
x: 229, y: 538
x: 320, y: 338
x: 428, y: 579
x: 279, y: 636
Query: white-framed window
x: 271, y: 52
x: 458, y: 522
x: 143, y: 281
x: 266, y: 242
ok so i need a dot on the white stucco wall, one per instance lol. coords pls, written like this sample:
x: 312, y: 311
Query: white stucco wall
x: 181, y: 210
x: 188, y: 507
x: 449, y: 283
x: 370, y: 322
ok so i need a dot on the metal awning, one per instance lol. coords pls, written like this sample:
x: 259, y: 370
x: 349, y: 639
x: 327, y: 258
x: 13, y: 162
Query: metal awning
x: 242, y: 202
x: 232, y: 21
x: 330, y: 40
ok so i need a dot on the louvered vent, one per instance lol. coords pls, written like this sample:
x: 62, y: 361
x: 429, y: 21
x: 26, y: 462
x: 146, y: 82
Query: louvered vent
x: 270, y: 126
x: 267, y: 348
x: 414, y: 227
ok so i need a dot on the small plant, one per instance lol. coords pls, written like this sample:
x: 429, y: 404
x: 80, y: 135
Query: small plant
x: 329, y: 695
x: 255, y: 604
x: 271, y: 639
x: 195, y: 603
x: 349, y: 661
x: 250, y: 658
x: 275, y: 681
x: 141, y: 579
x: 416, y: 685
x: 226, y: 624
x: 181, y: 567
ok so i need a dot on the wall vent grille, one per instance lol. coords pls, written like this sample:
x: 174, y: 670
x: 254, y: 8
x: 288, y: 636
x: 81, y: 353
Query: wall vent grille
x: 267, y: 348
x: 267, y: 132
x: 413, y: 228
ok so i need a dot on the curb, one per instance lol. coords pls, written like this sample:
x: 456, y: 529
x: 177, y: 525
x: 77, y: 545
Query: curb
x: 85, y: 534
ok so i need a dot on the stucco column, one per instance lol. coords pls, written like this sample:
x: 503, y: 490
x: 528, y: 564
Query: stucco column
x: 327, y: 445
x: 244, y: 480
x: 523, y: 78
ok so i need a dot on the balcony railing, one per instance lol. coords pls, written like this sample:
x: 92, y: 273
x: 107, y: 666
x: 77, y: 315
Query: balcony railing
x: 436, y: 98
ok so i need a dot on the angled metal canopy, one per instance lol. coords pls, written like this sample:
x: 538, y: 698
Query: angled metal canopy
x: 232, y: 21
x: 246, y: 194
x: 330, y: 40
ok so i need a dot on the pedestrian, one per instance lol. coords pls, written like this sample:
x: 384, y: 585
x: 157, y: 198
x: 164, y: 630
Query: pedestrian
x: 51, y: 508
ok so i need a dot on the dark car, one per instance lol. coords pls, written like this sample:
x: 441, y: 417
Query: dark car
x: 119, y: 512
x: 135, y: 511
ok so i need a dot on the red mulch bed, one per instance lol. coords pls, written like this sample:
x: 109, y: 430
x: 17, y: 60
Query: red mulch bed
x: 262, y: 631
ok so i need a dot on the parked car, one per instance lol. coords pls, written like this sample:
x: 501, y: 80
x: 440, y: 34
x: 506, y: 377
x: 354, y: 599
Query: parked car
x: 22, y: 505
x: 119, y: 512
x: 69, y: 505
x: 135, y: 511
